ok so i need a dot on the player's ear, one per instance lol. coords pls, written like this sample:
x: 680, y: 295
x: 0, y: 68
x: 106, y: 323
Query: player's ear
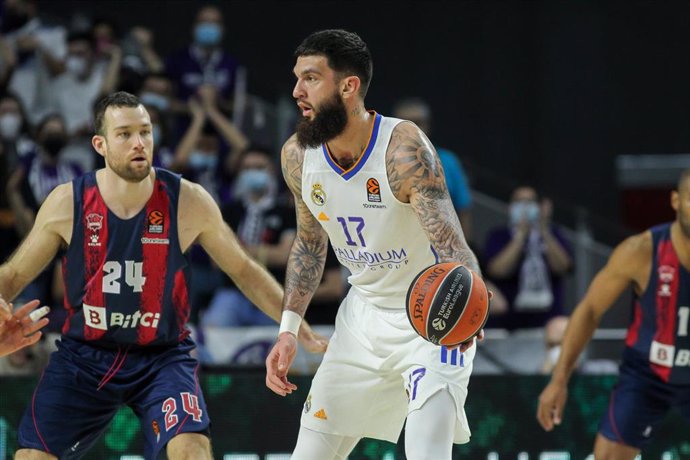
x: 349, y: 86
x: 98, y: 143
x: 675, y: 200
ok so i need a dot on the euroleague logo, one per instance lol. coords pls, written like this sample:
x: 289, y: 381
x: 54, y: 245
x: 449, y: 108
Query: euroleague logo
x: 373, y: 190
x: 439, y: 324
x: 156, y: 221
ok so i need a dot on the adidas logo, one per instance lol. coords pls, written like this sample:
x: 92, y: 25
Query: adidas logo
x: 321, y: 414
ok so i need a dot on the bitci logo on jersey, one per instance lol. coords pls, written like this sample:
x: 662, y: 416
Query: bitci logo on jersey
x: 97, y: 318
x: 156, y: 222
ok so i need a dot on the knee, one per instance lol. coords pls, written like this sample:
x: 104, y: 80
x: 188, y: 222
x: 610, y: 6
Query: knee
x: 605, y: 449
x: 189, y: 446
x: 33, y: 454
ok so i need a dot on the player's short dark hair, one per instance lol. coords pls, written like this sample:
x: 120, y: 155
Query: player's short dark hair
x: 684, y: 175
x: 345, y: 51
x: 118, y: 99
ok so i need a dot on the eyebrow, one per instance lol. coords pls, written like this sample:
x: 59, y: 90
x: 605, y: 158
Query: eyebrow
x: 129, y: 126
x: 308, y: 70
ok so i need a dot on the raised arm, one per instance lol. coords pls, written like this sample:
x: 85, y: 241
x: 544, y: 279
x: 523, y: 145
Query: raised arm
x: 201, y: 220
x: 416, y: 177
x: 628, y: 265
x: 52, y: 228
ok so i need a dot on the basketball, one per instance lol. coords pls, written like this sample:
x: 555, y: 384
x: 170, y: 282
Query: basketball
x: 447, y: 304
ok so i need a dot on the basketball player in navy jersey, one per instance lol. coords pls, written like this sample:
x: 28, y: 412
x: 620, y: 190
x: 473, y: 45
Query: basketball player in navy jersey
x: 375, y: 187
x: 127, y: 228
x: 655, y: 370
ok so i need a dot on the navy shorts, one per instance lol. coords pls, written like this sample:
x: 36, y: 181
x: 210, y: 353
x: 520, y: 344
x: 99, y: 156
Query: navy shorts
x: 83, y: 387
x: 638, y: 404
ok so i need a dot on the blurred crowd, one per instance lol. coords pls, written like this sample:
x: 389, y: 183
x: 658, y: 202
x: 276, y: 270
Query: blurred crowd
x: 53, y: 71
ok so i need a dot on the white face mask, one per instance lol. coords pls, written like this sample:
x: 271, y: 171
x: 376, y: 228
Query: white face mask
x: 9, y: 125
x: 76, y: 65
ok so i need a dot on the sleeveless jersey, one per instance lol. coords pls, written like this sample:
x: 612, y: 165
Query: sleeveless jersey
x: 126, y: 281
x: 658, y: 332
x: 378, y: 238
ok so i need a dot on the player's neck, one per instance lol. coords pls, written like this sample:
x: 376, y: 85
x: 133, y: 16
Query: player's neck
x: 681, y: 244
x: 124, y: 199
x: 349, y: 146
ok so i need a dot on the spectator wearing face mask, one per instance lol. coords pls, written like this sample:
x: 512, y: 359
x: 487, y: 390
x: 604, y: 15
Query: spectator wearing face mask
x: 36, y: 176
x: 210, y: 142
x: 265, y: 225
x: 204, y: 62
x: 527, y: 261
x: 35, y: 51
x: 73, y: 93
x: 14, y: 130
x: 201, y: 155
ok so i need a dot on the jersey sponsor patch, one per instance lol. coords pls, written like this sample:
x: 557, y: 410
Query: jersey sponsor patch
x: 321, y: 414
x: 661, y: 354
x: 373, y: 190
x: 97, y: 318
x: 156, y: 220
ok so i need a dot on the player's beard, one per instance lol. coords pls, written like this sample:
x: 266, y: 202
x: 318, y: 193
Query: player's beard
x: 330, y: 120
x: 126, y: 171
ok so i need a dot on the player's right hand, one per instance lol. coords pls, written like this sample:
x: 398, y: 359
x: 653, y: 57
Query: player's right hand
x: 551, y: 403
x: 278, y: 363
x: 20, y: 328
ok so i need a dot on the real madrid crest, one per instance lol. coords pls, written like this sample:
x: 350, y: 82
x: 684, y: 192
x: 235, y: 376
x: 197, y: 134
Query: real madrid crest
x: 318, y: 196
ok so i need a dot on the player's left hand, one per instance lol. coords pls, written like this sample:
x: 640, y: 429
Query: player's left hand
x: 20, y: 328
x: 278, y: 364
x: 310, y: 340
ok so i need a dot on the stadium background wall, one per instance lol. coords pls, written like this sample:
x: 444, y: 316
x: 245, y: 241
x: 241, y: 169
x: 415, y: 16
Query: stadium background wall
x: 248, y: 418
x: 541, y: 92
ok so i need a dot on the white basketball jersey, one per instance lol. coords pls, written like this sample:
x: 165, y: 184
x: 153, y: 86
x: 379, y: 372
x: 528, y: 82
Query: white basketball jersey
x: 378, y: 238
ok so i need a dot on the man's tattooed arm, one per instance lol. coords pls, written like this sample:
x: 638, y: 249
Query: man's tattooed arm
x: 416, y: 176
x: 308, y: 254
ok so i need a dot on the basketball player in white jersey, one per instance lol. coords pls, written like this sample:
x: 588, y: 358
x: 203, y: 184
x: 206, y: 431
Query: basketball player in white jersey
x: 374, y: 186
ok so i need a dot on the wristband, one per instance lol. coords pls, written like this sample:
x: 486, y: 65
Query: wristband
x: 290, y: 322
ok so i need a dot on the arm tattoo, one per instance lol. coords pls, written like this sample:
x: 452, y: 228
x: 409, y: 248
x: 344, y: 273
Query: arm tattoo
x: 416, y: 175
x: 308, y: 253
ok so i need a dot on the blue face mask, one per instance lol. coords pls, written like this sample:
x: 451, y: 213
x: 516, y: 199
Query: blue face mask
x: 203, y: 161
x: 156, y: 100
x: 253, y: 181
x: 157, y: 134
x: 207, y: 34
x: 524, y: 211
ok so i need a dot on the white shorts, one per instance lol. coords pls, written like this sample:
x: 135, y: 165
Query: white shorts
x: 377, y: 370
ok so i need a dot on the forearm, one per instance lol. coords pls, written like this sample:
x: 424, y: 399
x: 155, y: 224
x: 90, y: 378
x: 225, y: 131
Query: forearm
x: 260, y: 288
x: 581, y: 327
x: 153, y: 62
x: 557, y: 257
x: 236, y: 140
x: 304, y: 271
x: 10, y: 282
x: 505, y: 262
x: 187, y: 144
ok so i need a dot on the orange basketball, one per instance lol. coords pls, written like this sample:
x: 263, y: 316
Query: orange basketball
x: 447, y: 304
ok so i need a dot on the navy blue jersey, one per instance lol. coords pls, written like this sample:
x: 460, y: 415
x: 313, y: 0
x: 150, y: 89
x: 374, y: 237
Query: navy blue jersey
x: 126, y: 281
x: 658, y: 332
